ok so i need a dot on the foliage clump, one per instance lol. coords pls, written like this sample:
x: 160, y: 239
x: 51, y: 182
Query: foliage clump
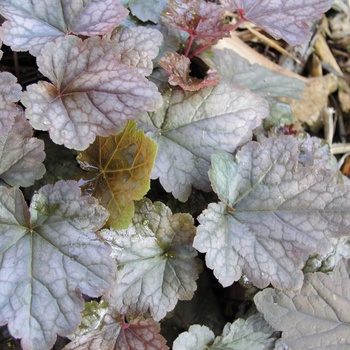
x: 135, y: 91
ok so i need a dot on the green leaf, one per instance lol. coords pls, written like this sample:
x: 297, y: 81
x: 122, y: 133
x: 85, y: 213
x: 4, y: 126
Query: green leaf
x: 280, y: 114
x: 147, y: 10
x: 119, y: 170
x: 235, y: 69
x: 314, y: 317
x: 190, y: 127
x: 31, y: 24
x: 49, y: 256
x: 254, y: 333
x: 197, y: 338
x: 92, y: 318
x: 155, y: 260
x: 326, y: 262
x: 273, y: 214
x: 21, y: 155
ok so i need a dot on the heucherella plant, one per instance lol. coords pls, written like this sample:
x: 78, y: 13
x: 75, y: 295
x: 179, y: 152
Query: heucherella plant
x: 85, y: 256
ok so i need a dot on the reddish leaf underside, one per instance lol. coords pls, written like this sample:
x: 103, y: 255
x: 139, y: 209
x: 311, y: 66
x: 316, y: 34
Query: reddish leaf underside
x: 203, y: 21
x: 178, y: 67
x: 115, y: 334
x: 141, y: 334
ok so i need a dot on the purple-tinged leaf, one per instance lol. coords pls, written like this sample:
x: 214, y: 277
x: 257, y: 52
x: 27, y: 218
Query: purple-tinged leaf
x: 314, y: 317
x: 178, y: 67
x: 140, y: 334
x: 156, y: 263
x: 32, y: 24
x: 286, y: 19
x: 202, y: 20
x: 138, y: 46
x: 111, y: 332
x: 192, y: 126
x: 10, y: 92
x: 50, y: 255
x: 149, y: 10
x: 91, y: 94
x: 21, y: 155
x: 273, y: 214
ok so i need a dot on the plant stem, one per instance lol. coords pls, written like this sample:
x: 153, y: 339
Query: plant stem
x: 202, y: 48
x: 199, y: 50
x: 189, y: 44
x: 237, y: 24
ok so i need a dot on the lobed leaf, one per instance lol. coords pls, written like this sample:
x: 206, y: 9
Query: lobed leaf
x: 314, y: 317
x: 141, y: 334
x: 91, y: 94
x: 32, y: 24
x: 178, y: 67
x: 138, y: 46
x: 281, y: 18
x: 273, y: 214
x: 202, y: 20
x: 192, y: 126
x: 118, y: 172
x: 10, y: 92
x: 196, y: 338
x: 155, y: 261
x: 254, y: 333
x: 233, y: 68
x: 49, y: 256
x: 115, y: 334
x: 21, y: 155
